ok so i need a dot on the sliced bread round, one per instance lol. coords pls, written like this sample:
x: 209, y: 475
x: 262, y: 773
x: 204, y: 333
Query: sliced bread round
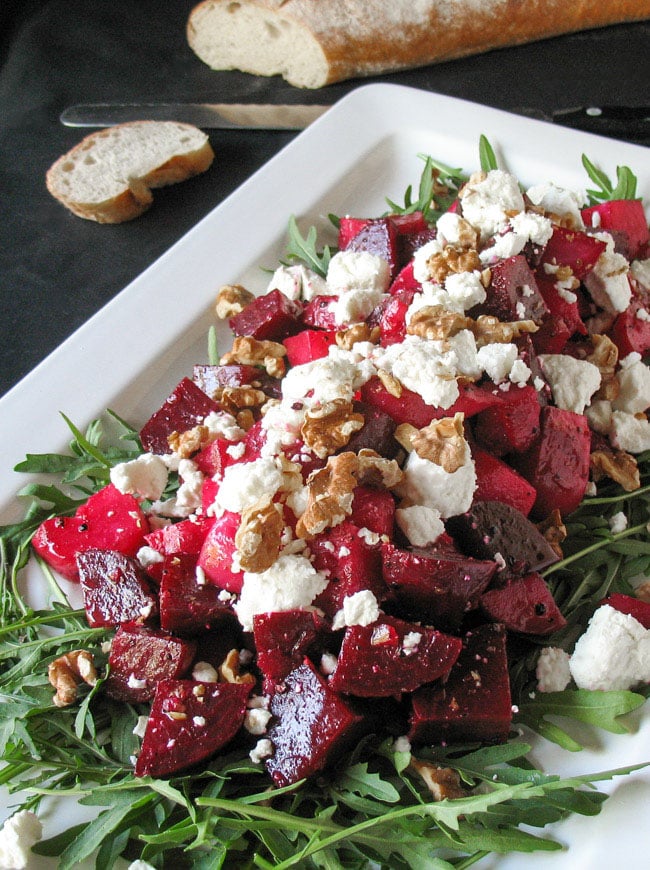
x: 109, y: 175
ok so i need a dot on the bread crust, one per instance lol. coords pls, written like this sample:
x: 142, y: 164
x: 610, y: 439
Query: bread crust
x: 357, y: 38
x: 135, y: 196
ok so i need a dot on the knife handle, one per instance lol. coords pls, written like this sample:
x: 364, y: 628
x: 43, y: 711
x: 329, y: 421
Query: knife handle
x: 619, y: 122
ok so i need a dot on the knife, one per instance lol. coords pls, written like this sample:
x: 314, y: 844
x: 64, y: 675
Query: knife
x: 631, y: 123
x: 222, y: 116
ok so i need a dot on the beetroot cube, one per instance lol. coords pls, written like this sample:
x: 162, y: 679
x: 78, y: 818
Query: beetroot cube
x: 373, y: 509
x: 188, y: 607
x: 553, y: 334
x: 379, y: 237
x: 630, y: 331
x: 108, y: 520
x: 497, y: 481
x: 115, y: 589
x: 407, y: 408
x: 185, y: 537
x: 525, y: 605
x: 312, y: 725
x: 475, y: 702
x: 513, y: 293
x: 140, y: 658
x: 270, y: 317
x: 391, y: 656
x: 283, y: 639
x: 405, y: 281
x: 492, y: 527
x: 572, y: 248
x: 308, y: 345
x: 391, y: 316
x: 512, y: 423
x: 318, y: 314
x: 557, y: 464
x: 439, y: 586
x: 624, y: 216
x: 640, y: 610
x: 561, y: 307
x: 188, y: 723
x: 217, y: 551
x: 349, y: 227
x: 212, y: 379
x: 186, y: 407
x: 377, y: 432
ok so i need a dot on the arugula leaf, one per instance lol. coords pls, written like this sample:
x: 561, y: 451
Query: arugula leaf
x: 626, y: 183
x: 487, y: 156
x: 437, y: 190
x: 304, y: 248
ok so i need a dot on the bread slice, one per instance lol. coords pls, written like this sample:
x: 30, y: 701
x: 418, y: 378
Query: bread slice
x: 109, y: 175
x: 312, y: 43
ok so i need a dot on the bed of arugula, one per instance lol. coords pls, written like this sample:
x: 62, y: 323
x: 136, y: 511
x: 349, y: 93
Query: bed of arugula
x: 374, y: 809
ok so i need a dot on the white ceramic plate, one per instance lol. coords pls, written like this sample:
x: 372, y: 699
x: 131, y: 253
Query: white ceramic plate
x: 131, y: 354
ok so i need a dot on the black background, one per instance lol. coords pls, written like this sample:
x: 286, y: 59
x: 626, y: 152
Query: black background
x: 56, y: 269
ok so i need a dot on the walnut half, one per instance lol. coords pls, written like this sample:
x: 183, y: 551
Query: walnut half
x: 67, y: 672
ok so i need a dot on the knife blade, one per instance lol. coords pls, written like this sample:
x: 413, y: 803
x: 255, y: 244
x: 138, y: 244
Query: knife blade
x: 631, y: 123
x: 222, y: 116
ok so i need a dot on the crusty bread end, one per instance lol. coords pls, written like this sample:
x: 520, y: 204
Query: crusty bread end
x: 109, y: 175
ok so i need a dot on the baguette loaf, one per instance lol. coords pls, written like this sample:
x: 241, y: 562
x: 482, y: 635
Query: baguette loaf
x: 109, y: 175
x: 312, y: 43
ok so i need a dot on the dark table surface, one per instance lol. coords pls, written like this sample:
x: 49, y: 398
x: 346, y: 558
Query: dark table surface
x: 56, y: 270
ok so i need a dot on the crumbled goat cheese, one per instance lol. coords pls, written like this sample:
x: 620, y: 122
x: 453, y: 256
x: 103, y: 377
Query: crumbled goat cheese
x: 519, y: 373
x: 421, y: 271
x: 328, y: 663
x: 243, y: 482
x: 203, y: 672
x: 613, y: 654
x: 497, y: 360
x: 145, y: 476
x: 354, y: 306
x: 17, y: 836
x: 634, y: 386
x: 421, y: 525
x: 618, y: 523
x: 608, y: 282
x: 256, y: 721
x: 428, y: 484
x: 411, y: 642
x: 297, y: 283
x: 357, y: 270
x: 630, y: 433
x: 134, y: 683
x: 573, y: 381
x: 465, y: 289
x: 140, y: 865
x: 221, y: 424
x: 291, y: 583
x: 523, y: 227
x: 336, y: 376
x: 262, y: 749
x: 140, y: 726
x: 360, y: 608
x: 553, y: 674
x: 599, y: 416
x: 488, y: 204
x: 640, y: 270
x: 559, y: 201
x: 147, y: 557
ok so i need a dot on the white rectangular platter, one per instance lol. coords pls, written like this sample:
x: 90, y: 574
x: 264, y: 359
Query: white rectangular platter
x: 131, y: 354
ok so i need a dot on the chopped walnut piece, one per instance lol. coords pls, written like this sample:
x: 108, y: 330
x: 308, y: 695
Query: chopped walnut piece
x: 442, y: 782
x: 442, y: 442
x: 249, y: 351
x: 404, y: 435
x: 231, y: 300
x: 554, y: 531
x: 436, y: 323
x: 186, y: 444
x: 346, y: 338
x: 67, y: 672
x: 229, y: 670
x: 488, y: 329
x: 330, y: 489
x: 328, y: 428
x: 390, y: 383
x: 452, y: 260
x: 605, y: 357
x: 642, y: 592
x: 258, y: 538
x: 245, y: 419
x: 234, y: 399
x: 619, y: 466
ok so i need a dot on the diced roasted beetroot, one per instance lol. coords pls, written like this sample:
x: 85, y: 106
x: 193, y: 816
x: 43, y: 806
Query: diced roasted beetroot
x: 392, y: 656
x: 308, y: 345
x: 640, y: 610
x: 268, y: 318
x: 212, y: 379
x: 140, y: 658
x: 496, y: 480
x: 377, y: 432
x: 378, y: 237
x: 318, y: 314
x: 624, y: 216
x: 513, y: 293
x: 512, y: 423
x: 349, y: 227
x: 410, y: 242
x: 557, y: 464
x: 185, y: 408
x: 351, y: 563
x: 438, y: 585
x: 188, y: 723
x: 571, y: 248
x: 115, y: 589
x: 391, y: 316
x: 409, y: 223
x: 373, y: 509
x: 560, y: 307
x: 185, y: 537
x: 553, y: 335
x: 631, y: 329
x: 475, y: 702
x: 109, y: 519
x: 189, y: 607
x: 312, y: 725
x: 283, y: 639
x: 492, y: 527
x: 216, y: 554
x: 525, y: 606
x: 405, y: 281
x: 214, y: 458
